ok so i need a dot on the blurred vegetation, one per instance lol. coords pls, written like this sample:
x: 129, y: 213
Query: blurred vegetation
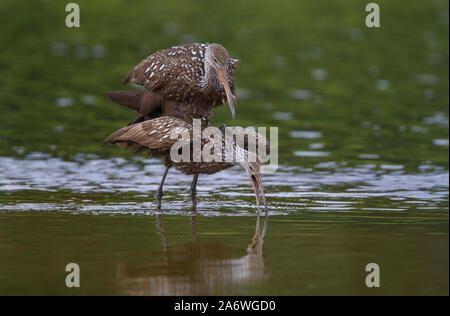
x: 379, y: 84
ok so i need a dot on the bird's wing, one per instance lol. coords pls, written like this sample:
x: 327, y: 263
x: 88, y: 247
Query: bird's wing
x: 232, y: 66
x: 176, y: 64
x: 151, y: 72
x: 153, y: 134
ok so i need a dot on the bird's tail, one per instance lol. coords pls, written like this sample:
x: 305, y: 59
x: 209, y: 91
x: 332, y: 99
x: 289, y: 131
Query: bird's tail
x: 115, y: 137
x: 123, y: 142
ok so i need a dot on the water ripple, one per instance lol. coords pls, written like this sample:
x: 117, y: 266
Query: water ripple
x: 128, y: 186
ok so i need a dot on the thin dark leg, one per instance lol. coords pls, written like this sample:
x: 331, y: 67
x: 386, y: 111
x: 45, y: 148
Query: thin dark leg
x: 194, y: 191
x: 159, y: 193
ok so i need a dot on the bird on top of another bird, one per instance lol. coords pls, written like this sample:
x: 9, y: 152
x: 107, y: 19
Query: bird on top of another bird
x: 184, y: 83
x: 198, y: 76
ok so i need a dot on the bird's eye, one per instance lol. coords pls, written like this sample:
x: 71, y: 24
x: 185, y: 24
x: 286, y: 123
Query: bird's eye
x: 215, y: 60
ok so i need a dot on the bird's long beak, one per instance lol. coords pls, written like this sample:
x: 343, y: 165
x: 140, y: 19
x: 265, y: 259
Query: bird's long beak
x: 259, y: 190
x: 224, y: 78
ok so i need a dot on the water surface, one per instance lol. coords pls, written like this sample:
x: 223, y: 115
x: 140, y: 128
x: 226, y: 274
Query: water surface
x: 362, y: 117
x: 323, y: 227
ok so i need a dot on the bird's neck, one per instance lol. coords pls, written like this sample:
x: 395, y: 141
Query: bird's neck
x: 236, y: 154
x: 210, y: 80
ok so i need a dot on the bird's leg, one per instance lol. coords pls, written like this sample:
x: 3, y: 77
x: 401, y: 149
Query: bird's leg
x: 159, y: 193
x: 194, y: 191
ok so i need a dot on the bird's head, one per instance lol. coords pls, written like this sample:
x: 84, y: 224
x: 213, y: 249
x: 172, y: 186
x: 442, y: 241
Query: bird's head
x: 217, y: 57
x: 253, y: 169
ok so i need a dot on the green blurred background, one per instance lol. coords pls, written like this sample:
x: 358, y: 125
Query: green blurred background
x: 304, y: 65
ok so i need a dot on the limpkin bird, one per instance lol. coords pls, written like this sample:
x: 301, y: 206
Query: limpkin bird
x: 190, y: 80
x: 155, y: 136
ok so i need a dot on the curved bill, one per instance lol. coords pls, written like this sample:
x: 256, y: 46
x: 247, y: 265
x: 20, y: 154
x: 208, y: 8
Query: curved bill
x: 259, y: 190
x: 224, y: 78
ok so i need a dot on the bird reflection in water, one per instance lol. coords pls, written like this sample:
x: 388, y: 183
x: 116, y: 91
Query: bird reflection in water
x: 197, y: 268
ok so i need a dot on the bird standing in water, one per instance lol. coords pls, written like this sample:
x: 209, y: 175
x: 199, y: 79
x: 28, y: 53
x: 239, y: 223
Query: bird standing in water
x: 154, y: 136
x: 188, y: 80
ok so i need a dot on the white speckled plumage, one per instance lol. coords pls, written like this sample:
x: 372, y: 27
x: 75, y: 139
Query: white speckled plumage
x: 183, y: 74
x: 154, y: 136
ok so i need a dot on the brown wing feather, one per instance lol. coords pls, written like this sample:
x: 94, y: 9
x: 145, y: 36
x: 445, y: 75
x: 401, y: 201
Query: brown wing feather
x: 232, y: 66
x: 169, y: 66
x: 177, y: 74
x: 144, y: 102
x: 153, y: 134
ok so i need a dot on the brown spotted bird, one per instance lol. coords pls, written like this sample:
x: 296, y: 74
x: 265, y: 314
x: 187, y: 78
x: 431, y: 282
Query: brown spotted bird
x: 143, y: 102
x: 156, y: 137
x: 200, y: 77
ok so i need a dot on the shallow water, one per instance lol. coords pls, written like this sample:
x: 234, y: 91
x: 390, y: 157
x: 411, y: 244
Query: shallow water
x: 363, y: 131
x: 323, y: 227
x: 43, y: 183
